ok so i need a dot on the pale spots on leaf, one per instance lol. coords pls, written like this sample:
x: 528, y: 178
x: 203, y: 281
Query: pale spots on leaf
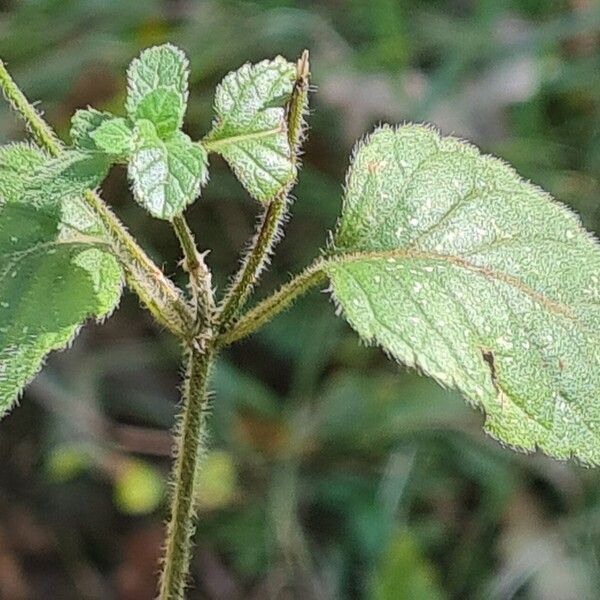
x: 250, y: 127
x: 478, y: 278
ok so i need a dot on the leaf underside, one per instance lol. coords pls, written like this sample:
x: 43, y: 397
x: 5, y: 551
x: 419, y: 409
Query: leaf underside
x: 250, y: 129
x: 52, y: 275
x: 454, y: 264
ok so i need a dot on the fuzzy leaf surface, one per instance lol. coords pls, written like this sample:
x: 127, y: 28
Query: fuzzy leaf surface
x: 55, y: 272
x: 65, y: 176
x: 114, y: 137
x: 250, y: 128
x: 84, y: 123
x: 95, y: 131
x: 158, y: 88
x: 454, y: 264
x: 167, y: 175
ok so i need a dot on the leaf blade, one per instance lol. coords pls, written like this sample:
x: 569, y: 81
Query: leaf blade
x: 83, y: 124
x: 95, y: 131
x: 65, y: 176
x: 250, y: 129
x: 166, y: 175
x: 52, y: 277
x: 114, y: 137
x: 445, y: 266
x: 158, y: 88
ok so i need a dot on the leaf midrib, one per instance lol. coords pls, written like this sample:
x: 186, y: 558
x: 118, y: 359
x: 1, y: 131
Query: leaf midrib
x: 551, y: 305
x: 214, y: 143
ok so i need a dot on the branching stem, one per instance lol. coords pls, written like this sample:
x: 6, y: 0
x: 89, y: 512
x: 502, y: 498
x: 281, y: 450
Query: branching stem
x: 192, y: 324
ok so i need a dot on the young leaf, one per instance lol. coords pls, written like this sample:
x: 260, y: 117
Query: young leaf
x: 84, y: 123
x: 454, y: 264
x: 166, y: 175
x: 250, y: 129
x: 52, y: 276
x: 95, y: 131
x: 158, y: 88
x: 113, y: 137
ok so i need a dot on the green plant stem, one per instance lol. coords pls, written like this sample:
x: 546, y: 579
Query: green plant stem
x: 199, y: 274
x: 41, y: 131
x: 157, y: 292
x: 275, y: 212
x: 255, y: 259
x: 264, y: 311
x: 189, y: 450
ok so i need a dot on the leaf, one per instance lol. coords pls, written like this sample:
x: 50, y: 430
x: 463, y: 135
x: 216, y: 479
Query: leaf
x: 17, y: 162
x: 67, y: 175
x: 250, y: 129
x: 166, y: 175
x: 84, y: 123
x: 454, y: 264
x: 52, y: 276
x: 96, y: 131
x: 161, y: 107
x: 113, y: 137
x: 158, y: 88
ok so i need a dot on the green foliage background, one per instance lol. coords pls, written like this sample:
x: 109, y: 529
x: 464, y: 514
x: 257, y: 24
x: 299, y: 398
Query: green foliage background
x: 334, y: 473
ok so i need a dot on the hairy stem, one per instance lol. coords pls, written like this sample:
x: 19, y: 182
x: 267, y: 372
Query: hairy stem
x: 264, y: 311
x: 255, y: 260
x: 199, y: 274
x: 156, y: 291
x: 274, y: 214
x: 188, y: 453
x: 41, y: 131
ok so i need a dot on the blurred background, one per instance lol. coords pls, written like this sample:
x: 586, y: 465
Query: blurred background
x: 333, y: 473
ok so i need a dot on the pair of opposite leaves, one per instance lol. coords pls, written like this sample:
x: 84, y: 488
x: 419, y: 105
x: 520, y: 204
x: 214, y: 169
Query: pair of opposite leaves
x: 444, y: 257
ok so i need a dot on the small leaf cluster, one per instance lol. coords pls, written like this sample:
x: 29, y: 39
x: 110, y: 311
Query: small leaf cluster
x: 166, y: 168
x: 56, y: 267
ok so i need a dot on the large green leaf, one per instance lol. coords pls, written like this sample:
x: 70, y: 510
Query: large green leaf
x: 158, y: 88
x: 250, y: 128
x: 455, y: 265
x: 54, y: 271
x: 166, y: 175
